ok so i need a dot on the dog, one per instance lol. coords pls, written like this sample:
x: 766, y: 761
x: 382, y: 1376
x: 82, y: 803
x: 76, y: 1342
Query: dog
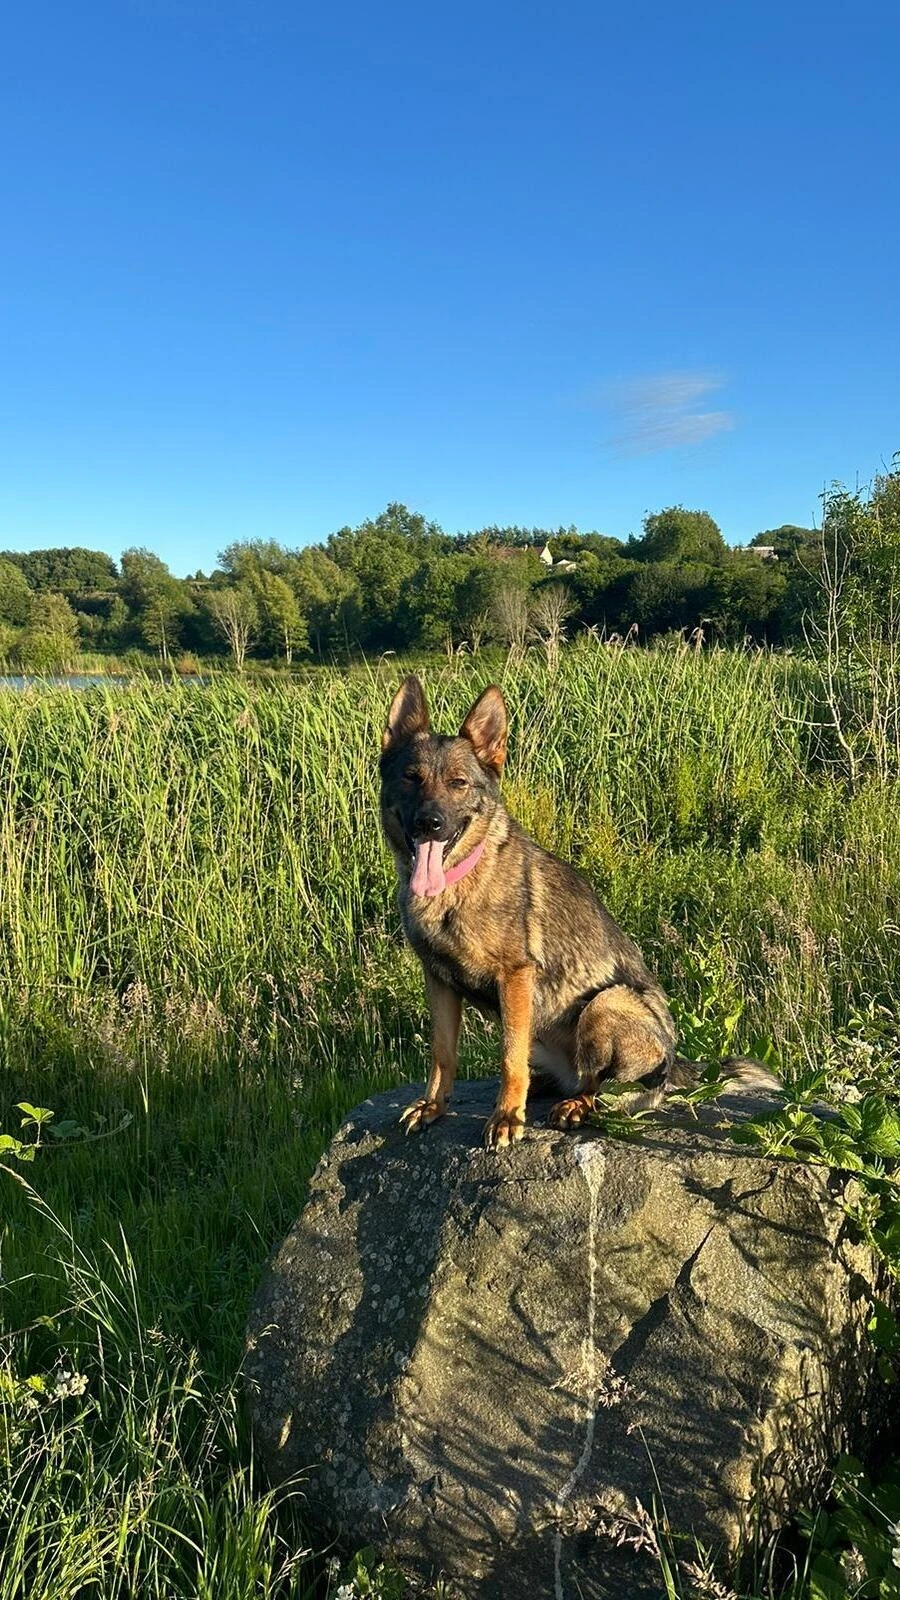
x: 499, y: 922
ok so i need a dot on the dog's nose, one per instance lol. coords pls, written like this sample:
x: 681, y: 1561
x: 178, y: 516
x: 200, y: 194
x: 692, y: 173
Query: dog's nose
x: 429, y: 822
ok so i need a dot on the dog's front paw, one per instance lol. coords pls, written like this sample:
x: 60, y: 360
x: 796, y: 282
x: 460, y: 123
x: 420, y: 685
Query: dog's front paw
x: 420, y: 1113
x: 503, y: 1128
x: 571, y: 1113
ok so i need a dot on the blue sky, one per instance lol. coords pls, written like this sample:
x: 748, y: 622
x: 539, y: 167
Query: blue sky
x: 267, y: 266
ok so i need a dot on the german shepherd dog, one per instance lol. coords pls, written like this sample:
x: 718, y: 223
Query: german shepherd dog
x: 500, y: 922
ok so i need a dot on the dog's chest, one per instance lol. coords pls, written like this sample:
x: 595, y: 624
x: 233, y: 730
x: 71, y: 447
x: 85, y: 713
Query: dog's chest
x: 451, y: 946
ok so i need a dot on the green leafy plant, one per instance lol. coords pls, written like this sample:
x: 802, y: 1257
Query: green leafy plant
x: 855, y: 1544
x: 708, y: 1010
x: 42, y: 1122
x: 49, y: 1134
x: 861, y: 1138
x: 367, y: 1577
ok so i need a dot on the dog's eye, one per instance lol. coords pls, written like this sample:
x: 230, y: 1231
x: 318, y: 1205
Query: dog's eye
x: 412, y: 776
x: 458, y: 783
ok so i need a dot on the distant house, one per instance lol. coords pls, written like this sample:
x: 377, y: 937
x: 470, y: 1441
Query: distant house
x: 546, y: 556
x: 766, y: 552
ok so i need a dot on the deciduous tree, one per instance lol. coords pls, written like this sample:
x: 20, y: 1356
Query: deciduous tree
x: 551, y: 606
x: 679, y: 535
x: 15, y: 595
x: 50, y: 641
x: 159, y: 601
x: 283, y: 626
x: 235, y: 614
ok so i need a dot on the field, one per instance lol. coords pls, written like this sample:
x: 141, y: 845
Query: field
x: 200, y: 972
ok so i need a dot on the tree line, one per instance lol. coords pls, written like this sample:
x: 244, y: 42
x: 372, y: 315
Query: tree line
x: 398, y: 582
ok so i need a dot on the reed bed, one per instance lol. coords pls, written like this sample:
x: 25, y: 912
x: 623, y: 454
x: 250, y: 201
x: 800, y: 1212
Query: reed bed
x: 200, y: 968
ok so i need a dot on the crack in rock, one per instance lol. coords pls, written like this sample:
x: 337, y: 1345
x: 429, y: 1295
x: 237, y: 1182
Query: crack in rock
x: 590, y: 1161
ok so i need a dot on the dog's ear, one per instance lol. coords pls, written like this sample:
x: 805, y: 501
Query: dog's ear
x: 485, y: 729
x: 408, y: 715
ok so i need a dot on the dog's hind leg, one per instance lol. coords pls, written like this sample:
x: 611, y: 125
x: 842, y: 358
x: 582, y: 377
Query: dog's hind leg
x: 620, y: 1034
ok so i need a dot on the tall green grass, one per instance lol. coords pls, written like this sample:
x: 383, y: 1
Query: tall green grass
x: 200, y: 965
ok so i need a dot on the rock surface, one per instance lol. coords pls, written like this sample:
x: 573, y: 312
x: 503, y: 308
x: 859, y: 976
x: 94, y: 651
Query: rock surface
x: 485, y: 1363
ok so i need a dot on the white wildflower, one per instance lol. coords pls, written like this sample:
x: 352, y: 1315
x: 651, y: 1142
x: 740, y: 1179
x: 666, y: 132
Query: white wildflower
x: 68, y: 1383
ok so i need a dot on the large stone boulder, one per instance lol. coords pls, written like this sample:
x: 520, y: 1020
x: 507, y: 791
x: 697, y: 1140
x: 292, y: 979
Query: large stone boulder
x: 493, y: 1365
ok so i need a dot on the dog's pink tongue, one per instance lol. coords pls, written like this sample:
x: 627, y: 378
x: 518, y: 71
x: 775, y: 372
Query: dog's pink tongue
x: 428, y: 867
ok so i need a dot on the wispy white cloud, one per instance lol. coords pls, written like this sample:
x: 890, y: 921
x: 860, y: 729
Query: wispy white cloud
x: 664, y: 412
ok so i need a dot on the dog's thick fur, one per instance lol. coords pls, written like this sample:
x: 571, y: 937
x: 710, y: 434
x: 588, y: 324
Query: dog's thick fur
x: 520, y: 934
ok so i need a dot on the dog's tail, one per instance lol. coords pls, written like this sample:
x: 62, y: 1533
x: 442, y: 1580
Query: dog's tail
x: 740, y: 1074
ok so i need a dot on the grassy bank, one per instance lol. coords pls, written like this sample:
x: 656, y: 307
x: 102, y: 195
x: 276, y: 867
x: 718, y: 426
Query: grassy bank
x: 200, y: 967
